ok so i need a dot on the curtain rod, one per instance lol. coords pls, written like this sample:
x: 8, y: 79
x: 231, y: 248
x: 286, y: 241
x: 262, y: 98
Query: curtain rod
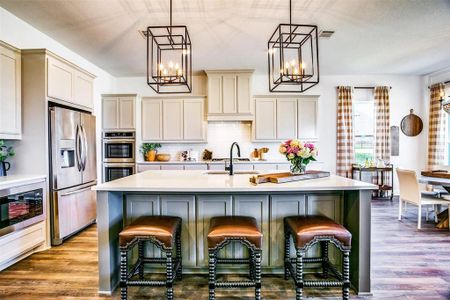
x: 445, y: 82
x: 365, y: 87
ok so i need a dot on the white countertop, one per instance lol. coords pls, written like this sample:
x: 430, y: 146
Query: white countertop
x: 11, y: 181
x: 217, y: 162
x: 199, y: 181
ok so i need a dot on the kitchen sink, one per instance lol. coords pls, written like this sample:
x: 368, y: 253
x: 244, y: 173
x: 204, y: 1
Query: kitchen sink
x: 235, y: 172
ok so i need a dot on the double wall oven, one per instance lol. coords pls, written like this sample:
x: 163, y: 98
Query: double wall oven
x: 118, y: 154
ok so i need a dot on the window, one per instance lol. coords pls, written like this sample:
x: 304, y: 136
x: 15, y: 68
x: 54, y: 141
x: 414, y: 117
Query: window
x: 363, y: 125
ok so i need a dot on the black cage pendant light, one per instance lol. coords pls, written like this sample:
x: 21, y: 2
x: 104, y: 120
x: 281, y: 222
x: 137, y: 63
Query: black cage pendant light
x: 169, y: 58
x: 293, y: 57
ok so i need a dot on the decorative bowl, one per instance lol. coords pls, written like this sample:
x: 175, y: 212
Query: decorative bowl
x: 162, y: 157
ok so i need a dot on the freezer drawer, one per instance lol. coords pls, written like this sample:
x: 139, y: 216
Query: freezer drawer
x: 73, y: 210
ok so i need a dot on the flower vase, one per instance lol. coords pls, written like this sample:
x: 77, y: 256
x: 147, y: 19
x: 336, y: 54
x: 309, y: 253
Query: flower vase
x: 298, y: 168
x: 4, y: 166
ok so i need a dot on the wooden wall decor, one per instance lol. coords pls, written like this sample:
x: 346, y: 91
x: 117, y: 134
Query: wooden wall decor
x: 411, y: 124
x: 395, y: 142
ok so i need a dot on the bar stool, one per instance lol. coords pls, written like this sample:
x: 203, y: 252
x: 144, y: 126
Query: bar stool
x: 307, y: 231
x: 244, y: 230
x: 161, y: 231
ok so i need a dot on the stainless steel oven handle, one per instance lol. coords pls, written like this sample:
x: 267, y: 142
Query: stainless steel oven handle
x: 77, y: 147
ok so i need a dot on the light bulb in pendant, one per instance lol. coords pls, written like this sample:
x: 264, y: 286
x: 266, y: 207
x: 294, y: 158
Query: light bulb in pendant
x: 296, y: 71
x: 293, y: 63
x: 170, y: 65
x: 164, y: 72
x: 179, y: 72
x: 161, y: 67
x: 177, y: 66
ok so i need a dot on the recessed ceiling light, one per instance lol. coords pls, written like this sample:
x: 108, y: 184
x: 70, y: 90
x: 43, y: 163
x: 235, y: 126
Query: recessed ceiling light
x: 326, y: 34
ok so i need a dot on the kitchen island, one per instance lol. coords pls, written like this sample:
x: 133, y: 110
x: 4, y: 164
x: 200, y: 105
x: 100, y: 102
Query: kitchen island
x: 196, y: 196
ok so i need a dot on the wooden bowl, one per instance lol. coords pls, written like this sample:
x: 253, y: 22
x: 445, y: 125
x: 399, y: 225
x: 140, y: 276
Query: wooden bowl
x: 163, y: 157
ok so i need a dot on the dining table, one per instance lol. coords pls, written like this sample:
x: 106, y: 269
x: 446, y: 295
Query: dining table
x: 441, y: 179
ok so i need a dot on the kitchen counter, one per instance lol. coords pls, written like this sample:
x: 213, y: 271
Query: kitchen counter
x: 213, y: 162
x: 196, y: 196
x: 11, y: 181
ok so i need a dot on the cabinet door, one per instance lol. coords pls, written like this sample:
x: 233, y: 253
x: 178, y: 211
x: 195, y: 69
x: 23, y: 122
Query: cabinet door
x: 265, y: 167
x: 178, y: 167
x: 145, y: 167
x: 110, y: 113
x: 172, y: 119
x: 83, y: 93
x: 243, y: 167
x: 256, y: 206
x: 229, y: 94
x: 151, y: 120
x: 265, y: 119
x: 10, y: 94
x: 208, y: 207
x: 286, y: 119
x: 203, y: 167
x: 214, y: 94
x: 183, y: 206
x: 193, y: 125
x: 60, y: 80
x: 244, y: 94
x: 126, y: 113
x: 282, y: 206
x: 307, y: 119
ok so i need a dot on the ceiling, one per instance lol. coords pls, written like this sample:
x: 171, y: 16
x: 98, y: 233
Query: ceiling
x: 372, y: 36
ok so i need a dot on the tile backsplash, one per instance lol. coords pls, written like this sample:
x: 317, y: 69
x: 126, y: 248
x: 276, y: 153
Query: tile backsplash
x: 220, y: 136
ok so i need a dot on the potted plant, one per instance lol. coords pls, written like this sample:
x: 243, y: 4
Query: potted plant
x: 299, y: 154
x: 149, y: 150
x: 5, y: 152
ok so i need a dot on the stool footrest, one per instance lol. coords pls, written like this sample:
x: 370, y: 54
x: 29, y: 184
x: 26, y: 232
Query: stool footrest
x: 233, y: 260
x: 147, y: 282
x: 234, y: 284
x: 322, y: 283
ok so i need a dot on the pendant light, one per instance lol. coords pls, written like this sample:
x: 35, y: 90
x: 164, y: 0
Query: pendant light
x: 293, y: 57
x: 169, y: 58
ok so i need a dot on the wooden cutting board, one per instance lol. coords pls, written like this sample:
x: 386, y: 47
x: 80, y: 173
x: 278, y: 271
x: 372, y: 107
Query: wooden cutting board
x: 287, y: 177
x: 436, y: 174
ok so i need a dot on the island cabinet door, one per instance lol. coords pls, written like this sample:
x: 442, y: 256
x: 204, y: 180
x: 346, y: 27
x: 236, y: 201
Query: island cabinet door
x: 208, y: 207
x: 142, y: 205
x: 329, y: 205
x: 282, y: 206
x: 256, y: 206
x: 183, y: 206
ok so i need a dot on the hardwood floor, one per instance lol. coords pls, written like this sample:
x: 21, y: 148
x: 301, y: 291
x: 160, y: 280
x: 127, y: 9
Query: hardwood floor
x: 407, y: 264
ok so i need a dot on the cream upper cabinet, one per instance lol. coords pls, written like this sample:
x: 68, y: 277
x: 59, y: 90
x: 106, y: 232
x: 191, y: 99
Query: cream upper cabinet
x: 10, y: 92
x: 151, y: 119
x: 307, y: 119
x: 118, y: 112
x: 68, y: 83
x: 229, y: 95
x: 173, y: 120
x: 193, y: 124
x: 265, y: 125
x: 285, y: 117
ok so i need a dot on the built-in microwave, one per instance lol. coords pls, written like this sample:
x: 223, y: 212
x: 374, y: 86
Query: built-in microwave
x: 113, y: 171
x: 20, y: 208
x: 118, y: 147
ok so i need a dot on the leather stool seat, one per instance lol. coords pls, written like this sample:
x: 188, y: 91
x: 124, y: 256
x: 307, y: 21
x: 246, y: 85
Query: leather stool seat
x: 162, y: 228
x: 232, y: 227
x: 307, y: 228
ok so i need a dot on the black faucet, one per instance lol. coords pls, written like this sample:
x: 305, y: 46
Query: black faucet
x: 230, y: 167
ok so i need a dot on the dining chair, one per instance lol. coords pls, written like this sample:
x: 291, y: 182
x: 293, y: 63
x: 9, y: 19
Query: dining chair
x: 410, y: 193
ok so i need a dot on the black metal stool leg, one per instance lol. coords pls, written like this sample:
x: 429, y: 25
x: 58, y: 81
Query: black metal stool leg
x: 257, y: 277
x: 287, y: 249
x: 346, y: 276
x: 324, y: 254
x: 123, y: 274
x: 299, y: 275
x: 179, y: 257
x: 212, y: 275
x: 141, y: 245
x: 251, y: 264
x: 169, y: 274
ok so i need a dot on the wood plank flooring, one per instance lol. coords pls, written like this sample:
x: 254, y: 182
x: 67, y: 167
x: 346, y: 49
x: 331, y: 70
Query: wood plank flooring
x: 407, y: 264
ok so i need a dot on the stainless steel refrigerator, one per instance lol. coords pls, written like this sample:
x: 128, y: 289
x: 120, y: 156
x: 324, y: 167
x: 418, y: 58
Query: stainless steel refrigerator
x: 73, y: 171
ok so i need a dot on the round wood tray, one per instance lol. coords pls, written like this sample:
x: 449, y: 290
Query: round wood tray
x: 411, y: 124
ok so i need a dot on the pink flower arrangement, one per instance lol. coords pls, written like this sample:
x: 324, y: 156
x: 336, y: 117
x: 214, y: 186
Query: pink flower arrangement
x: 298, y: 153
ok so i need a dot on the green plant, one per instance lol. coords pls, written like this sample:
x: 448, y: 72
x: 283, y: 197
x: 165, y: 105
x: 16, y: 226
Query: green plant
x: 146, y: 147
x: 5, y: 151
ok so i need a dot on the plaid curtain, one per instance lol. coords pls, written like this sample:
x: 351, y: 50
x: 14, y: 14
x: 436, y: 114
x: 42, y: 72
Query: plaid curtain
x: 382, y: 124
x: 437, y: 125
x: 344, y: 132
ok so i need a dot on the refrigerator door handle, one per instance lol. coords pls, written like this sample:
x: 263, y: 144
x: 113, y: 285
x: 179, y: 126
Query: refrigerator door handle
x: 78, y: 147
x: 85, y: 147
